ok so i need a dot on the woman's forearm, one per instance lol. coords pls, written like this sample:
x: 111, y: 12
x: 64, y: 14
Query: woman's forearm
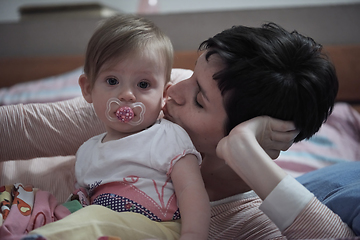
x: 43, y: 130
x: 285, y: 201
x: 245, y: 156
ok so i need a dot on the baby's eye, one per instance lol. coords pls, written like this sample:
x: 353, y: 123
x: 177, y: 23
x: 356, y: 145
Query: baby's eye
x: 112, y: 81
x: 143, y: 84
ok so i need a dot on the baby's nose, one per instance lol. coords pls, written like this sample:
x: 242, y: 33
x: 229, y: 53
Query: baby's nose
x: 127, y: 96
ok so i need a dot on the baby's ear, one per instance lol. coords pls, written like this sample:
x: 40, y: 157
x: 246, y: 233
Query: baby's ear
x: 85, y: 86
x: 165, y: 95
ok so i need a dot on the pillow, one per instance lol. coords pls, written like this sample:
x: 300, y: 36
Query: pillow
x: 61, y: 87
x: 337, y: 141
x: 53, y: 174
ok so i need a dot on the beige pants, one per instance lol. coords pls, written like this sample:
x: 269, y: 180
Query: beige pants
x: 95, y: 221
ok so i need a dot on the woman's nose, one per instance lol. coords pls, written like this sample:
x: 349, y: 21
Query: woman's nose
x: 178, y: 91
x: 127, y: 95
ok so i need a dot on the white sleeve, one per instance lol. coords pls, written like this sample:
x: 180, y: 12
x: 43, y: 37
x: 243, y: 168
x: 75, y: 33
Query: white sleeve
x: 170, y: 144
x: 286, y: 202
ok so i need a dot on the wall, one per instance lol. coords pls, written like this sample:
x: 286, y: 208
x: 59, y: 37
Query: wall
x: 338, y: 24
x: 327, y: 24
x: 9, y: 8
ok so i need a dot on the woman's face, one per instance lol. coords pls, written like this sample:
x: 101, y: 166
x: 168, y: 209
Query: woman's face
x: 196, y: 105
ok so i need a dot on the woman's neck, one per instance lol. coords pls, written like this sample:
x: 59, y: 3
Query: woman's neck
x: 220, y: 180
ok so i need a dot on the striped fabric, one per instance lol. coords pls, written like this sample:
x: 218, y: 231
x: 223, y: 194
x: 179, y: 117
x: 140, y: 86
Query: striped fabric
x: 69, y: 124
x: 243, y: 220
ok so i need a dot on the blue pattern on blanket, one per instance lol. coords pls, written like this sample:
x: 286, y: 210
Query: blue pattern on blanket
x: 321, y: 140
x: 313, y: 156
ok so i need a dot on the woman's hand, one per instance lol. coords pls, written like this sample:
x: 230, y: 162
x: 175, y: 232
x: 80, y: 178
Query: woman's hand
x: 247, y: 149
x: 273, y: 135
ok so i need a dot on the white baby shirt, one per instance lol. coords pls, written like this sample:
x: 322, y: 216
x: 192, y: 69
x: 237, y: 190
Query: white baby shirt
x: 132, y: 173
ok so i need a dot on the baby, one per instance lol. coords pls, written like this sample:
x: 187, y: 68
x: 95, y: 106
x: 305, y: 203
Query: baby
x: 141, y: 161
x: 142, y: 164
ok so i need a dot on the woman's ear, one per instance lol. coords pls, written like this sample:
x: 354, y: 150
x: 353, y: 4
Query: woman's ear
x: 85, y: 86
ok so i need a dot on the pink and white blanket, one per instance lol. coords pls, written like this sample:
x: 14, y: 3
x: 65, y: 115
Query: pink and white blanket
x: 24, y: 208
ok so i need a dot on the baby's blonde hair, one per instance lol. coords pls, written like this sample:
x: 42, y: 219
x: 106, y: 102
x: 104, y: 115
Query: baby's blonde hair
x: 120, y: 35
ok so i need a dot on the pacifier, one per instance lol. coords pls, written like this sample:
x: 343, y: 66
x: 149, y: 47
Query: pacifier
x: 124, y: 111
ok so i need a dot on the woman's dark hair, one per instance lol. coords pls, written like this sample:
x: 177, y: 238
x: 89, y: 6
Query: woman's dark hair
x: 270, y: 71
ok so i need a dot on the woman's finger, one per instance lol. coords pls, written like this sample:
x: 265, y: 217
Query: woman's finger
x: 284, y: 137
x: 273, y: 154
x: 281, y: 126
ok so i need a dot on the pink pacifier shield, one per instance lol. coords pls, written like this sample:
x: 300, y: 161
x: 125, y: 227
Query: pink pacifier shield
x: 130, y: 113
x: 125, y: 114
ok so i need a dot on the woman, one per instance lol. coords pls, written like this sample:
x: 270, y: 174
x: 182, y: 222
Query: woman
x: 275, y: 73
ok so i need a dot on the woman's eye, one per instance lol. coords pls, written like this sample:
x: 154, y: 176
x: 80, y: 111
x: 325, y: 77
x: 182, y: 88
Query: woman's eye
x: 143, y: 84
x: 197, y: 102
x: 112, y: 81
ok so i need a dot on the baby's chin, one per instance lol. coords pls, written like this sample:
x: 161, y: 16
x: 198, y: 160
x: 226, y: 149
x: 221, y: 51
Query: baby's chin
x: 118, y: 132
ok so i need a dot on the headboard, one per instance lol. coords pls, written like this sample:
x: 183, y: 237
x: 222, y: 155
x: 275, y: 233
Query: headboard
x: 346, y: 59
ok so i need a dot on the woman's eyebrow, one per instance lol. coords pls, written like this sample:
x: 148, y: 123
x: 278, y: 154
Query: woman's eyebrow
x: 203, y: 92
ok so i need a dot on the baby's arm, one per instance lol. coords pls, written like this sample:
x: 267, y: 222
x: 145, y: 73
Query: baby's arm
x: 192, y: 198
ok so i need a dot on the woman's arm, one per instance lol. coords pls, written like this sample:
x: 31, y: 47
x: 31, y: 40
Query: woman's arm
x: 43, y: 130
x: 243, y: 150
x: 192, y: 198
x: 286, y: 202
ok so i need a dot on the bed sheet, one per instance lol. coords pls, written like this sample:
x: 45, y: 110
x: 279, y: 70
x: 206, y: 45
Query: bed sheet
x: 337, y: 141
